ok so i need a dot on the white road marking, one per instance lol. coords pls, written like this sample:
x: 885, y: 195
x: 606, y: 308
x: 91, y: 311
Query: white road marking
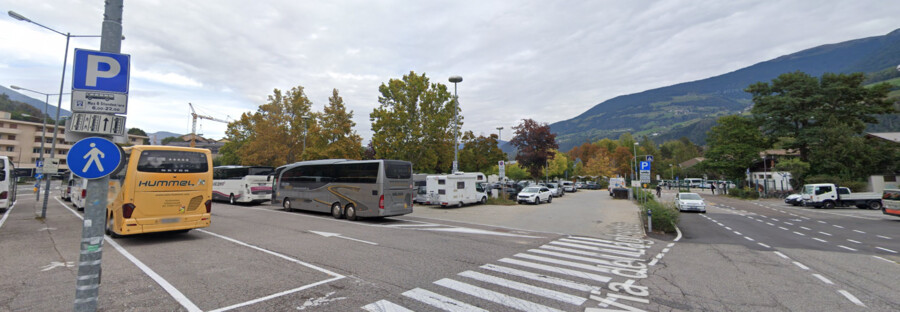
x: 819, y: 239
x: 385, y: 306
x: 576, y: 273
x: 6, y: 215
x: 823, y: 233
x: 781, y: 255
x: 851, y: 298
x: 853, y: 241
x: 748, y: 238
x: 737, y: 233
x: 474, y: 231
x: 665, y: 250
x: 764, y: 245
x: 759, y: 220
x: 770, y: 223
x: 885, y: 249
x: 577, y: 242
x: 653, y: 262
x: 858, y: 231
x: 805, y: 228
x: 541, y: 277
x: 885, y: 237
x: 493, y: 296
x: 801, y: 265
x: 670, y: 245
x: 848, y: 248
x: 798, y: 233
x: 820, y: 221
x: 788, y: 223
x: 823, y: 279
x: 591, y: 253
x: 174, y: 292
x: 441, y: 302
x: 837, y: 226
x: 534, y: 290
x: 880, y: 258
x: 773, y: 219
x: 783, y: 228
x: 728, y: 228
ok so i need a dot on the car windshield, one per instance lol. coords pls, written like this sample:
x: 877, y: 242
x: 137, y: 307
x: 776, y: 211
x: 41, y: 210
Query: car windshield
x: 531, y: 190
x: 690, y: 196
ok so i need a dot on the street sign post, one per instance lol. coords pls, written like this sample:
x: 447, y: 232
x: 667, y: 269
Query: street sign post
x: 51, y: 166
x: 94, y: 158
x: 502, y: 166
x: 99, y: 102
x: 650, y: 158
x: 97, y: 124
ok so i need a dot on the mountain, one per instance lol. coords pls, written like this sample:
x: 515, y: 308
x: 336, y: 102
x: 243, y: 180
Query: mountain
x: 157, y: 137
x: 39, y: 104
x: 689, y: 109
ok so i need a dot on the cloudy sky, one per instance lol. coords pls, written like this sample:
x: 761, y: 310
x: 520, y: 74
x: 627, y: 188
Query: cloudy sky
x: 546, y: 60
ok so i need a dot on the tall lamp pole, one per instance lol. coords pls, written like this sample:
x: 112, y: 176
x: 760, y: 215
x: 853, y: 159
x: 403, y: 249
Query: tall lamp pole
x: 37, y: 194
x: 499, y: 133
x: 62, y: 81
x: 455, y: 80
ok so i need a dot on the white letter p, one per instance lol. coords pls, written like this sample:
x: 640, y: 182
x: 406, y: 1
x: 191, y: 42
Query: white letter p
x: 93, y: 69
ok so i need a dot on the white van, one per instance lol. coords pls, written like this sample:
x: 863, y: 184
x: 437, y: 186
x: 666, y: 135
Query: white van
x: 456, y: 189
x: 694, y: 182
x: 7, y: 183
x: 78, y: 192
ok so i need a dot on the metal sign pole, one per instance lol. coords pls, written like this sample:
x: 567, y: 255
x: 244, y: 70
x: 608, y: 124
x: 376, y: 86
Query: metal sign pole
x: 92, y: 233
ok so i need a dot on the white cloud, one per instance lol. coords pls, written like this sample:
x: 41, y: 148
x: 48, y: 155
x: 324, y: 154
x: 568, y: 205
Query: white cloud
x: 537, y: 59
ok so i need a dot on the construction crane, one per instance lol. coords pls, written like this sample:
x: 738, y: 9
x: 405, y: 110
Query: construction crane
x: 194, y: 116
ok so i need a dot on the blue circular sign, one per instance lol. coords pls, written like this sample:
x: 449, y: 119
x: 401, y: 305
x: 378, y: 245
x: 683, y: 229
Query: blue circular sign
x: 93, y: 158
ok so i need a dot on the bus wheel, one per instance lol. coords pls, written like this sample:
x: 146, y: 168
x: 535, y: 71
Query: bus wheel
x: 286, y: 203
x: 109, y: 227
x: 336, y: 211
x: 231, y: 199
x: 350, y: 212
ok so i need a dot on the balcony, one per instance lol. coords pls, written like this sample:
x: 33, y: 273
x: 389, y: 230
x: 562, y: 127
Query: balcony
x: 9, y: 131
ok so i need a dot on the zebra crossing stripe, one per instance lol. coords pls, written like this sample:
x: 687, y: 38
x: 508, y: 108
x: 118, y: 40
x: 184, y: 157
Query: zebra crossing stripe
x: 540, y: 277
x: 441, y: 302
x: 534, y: 290
x: 590, y: 253
x: 385, y: 306
x: 493, y: 296
x: 612, y: 251
x: 601, y: 245
x: 599, y: 262
x: 629, y: 273
x: 576, y: 273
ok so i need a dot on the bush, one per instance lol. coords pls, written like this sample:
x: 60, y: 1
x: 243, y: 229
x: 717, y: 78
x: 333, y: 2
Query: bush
x: 502, y: 200
x: 663, y: 215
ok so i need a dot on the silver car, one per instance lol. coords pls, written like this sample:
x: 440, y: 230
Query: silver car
x: 534, y: 195
x: 690, y: 202
x: 555, y: 190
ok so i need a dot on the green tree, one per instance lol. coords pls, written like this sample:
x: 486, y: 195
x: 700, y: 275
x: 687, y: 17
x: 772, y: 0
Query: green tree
x: 796, y: 105
x: 479, y: 154
x: 274, y: 134
x: 228, y: 154
x: 138, y: 131
x: 535, y: 144
x: 734, y: 145
x: 414, y: 122
x: 557, y: 167
x: 515, y: 172
x: 338, y: 136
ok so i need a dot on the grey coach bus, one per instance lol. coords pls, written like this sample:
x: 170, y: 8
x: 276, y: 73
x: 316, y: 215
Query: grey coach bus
x: 346, y: 188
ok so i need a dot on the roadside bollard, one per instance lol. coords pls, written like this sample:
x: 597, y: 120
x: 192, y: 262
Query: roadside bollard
x: 649, y: 220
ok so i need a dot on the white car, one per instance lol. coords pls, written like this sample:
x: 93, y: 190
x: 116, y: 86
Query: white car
x: 690, y: 202
x: 568, y: 186
x: 534, y: 195
x: 555, y: 190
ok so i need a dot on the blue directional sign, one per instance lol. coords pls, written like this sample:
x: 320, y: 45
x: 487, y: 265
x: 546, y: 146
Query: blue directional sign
x: 645, y: 165
x: 93, y: 158
x: 100, y: 71
x: 650, y: 158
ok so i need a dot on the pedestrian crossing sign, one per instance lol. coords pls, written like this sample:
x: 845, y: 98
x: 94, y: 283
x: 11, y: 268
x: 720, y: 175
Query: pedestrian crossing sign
x: 94, y: 158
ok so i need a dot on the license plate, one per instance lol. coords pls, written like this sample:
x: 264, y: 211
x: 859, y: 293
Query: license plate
x: 170, y: 220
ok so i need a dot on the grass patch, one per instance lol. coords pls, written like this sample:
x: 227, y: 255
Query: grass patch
x: 502, y: 200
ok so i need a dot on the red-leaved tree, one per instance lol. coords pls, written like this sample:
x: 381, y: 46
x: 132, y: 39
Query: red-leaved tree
x: 535, y: 146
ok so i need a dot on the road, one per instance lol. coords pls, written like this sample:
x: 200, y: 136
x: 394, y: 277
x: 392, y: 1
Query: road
x: 767, y: 255
x: 256, y: 258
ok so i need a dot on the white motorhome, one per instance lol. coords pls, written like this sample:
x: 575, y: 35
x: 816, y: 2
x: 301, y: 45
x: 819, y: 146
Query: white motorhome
x: 7, y: 183
x: 456, y: 189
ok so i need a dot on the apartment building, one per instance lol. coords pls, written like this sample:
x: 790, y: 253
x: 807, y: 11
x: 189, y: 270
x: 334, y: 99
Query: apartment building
x: 21, y: 141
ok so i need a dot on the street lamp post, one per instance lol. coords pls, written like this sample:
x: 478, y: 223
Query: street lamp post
x: 499, y: 133
x: 455, y: 80
x: 59, y: 103
x: 43, y: 138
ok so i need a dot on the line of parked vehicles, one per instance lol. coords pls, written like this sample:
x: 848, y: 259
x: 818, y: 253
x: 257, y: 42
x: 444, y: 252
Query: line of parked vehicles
x: 828, y: 196
x: 464, y: 188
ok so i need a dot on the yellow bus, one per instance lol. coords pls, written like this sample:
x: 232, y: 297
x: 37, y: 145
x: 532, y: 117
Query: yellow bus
x: 159, y: 189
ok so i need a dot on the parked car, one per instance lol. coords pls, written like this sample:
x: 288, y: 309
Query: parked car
x: 568, y: 186
x: 534, y: 195
x: 79, y: 192
x: 690, y: 201
x: 794, y: 200
x: 579, y: 185
x: 555, y: 190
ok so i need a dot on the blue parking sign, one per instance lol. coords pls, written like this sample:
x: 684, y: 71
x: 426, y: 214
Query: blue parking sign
x: 645, y: 165
x: 100, y: 71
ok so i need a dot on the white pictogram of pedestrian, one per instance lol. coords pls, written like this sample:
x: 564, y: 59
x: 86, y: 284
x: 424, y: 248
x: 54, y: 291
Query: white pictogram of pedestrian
x: 93, y: 153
